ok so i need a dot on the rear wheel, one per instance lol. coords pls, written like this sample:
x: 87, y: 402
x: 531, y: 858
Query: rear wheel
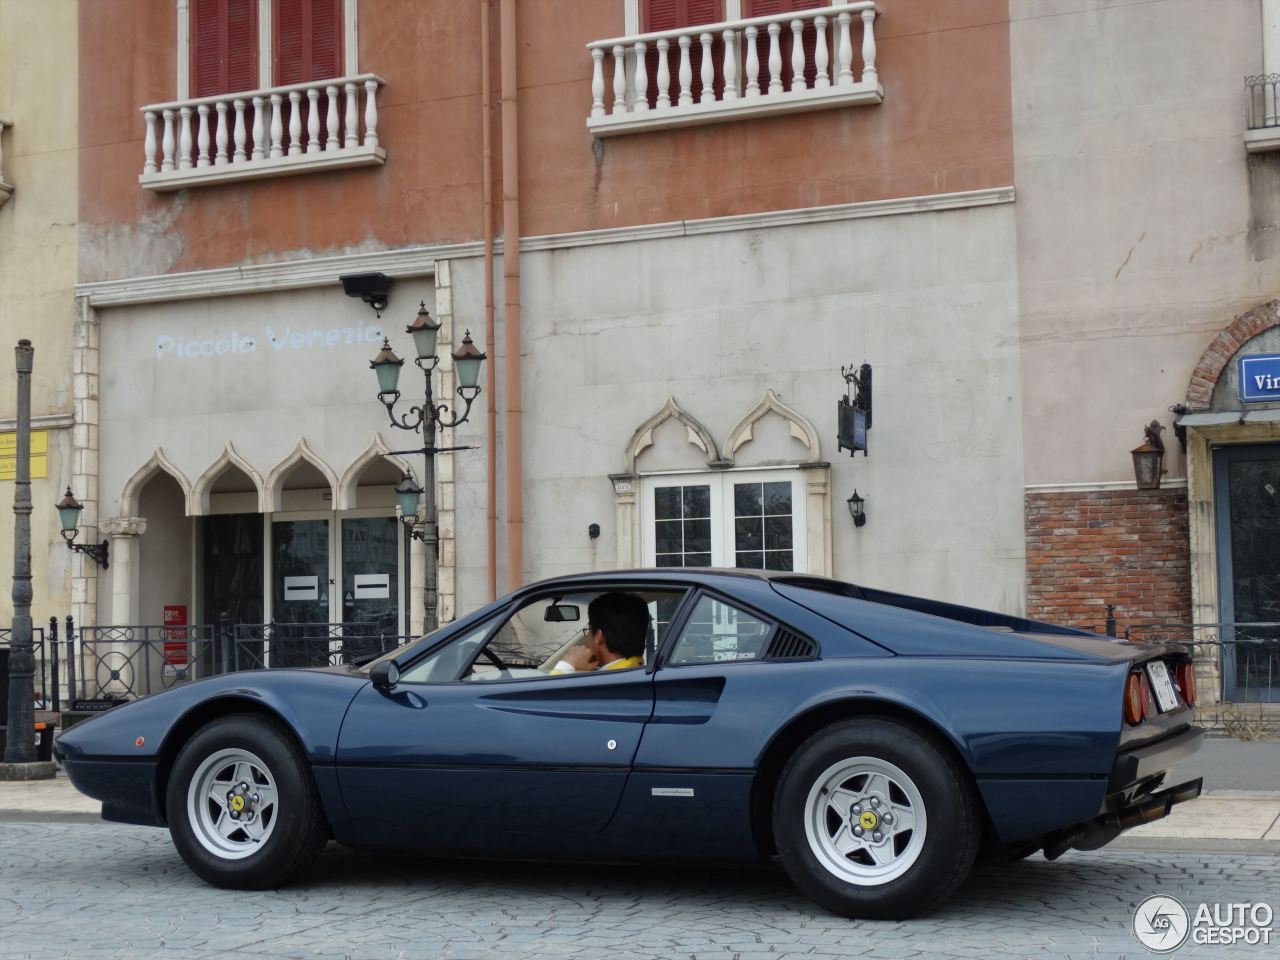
x: 873, y: 819
x: 242, y: 807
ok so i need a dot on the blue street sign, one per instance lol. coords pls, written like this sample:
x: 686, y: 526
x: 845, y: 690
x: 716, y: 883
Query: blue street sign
x: 1259, y: 377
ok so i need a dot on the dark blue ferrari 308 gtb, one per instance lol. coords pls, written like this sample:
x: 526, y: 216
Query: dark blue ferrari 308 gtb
x: 873, y: 743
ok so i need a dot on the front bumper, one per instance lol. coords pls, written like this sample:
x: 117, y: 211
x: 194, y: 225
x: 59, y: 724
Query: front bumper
x: 127, y: 788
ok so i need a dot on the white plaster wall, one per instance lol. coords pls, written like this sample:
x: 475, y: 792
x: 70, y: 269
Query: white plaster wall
x: 1143, y: 227
x: 264, y: 400
x: 929, y: 299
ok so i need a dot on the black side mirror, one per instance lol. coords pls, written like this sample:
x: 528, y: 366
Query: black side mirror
x: 385, y: 675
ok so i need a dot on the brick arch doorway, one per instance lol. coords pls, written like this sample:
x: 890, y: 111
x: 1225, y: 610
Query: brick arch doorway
x: 1233, y: 504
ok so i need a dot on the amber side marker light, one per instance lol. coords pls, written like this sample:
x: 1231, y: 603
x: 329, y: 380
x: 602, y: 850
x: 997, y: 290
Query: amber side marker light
x: 1134, y: 698
x: 1186, y: 677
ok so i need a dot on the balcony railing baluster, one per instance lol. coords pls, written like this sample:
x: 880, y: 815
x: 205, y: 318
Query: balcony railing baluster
x: 718, y: 69
x: 243, y: 135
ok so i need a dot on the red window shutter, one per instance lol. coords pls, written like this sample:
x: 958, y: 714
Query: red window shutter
x: 670, y: 15
x: 764, y: 8
x: 242, y: 45
x: 224, y: 46
x: 326, y: 39
x: 289, y: 27
x: 308, y: 40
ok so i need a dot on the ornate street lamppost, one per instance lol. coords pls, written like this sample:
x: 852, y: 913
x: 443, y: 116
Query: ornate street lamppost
x: 424, y: 419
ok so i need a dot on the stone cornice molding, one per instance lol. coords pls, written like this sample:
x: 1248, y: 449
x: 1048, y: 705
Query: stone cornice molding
x: 198, y: 501
x: 133, y: 486
x: 800, y: 426
x: 698, y: 435
x: 123, y: 526
x: 377, y: 450
x: 275, y: 479
x: 421, y: 261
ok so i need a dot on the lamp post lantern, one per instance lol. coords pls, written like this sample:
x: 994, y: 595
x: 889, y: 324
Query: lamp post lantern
x: 425, y: 419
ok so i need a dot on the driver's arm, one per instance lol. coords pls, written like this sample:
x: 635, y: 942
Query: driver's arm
x: 577, y: 658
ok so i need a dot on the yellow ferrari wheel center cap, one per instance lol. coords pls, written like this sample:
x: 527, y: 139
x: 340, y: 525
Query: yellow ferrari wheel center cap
x: 237, y: 803
x: 868, y: 820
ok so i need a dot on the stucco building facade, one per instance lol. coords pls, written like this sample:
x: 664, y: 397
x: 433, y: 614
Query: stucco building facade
x: 1044, y: 223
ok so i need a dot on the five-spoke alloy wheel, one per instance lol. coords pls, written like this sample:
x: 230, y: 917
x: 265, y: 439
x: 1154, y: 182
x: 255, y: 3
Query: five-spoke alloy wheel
x: 242, y: 806
x: 231, y: 803
x: 873, y: 818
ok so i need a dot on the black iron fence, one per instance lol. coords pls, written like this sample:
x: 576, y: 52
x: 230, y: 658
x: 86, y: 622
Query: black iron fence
x: 256, y: 646
x: 124, y: 662
x: 45, y: 686
x: 1247, y: 655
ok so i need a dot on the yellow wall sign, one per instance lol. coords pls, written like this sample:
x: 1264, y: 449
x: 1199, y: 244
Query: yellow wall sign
x: 39, y: 455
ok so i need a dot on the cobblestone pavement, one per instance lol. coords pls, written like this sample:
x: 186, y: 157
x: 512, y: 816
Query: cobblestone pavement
x: 91, y: 891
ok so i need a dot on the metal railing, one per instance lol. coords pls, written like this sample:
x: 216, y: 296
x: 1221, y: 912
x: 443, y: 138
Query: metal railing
x: 1260, y: 101
x: 1247, y: 655
x: 45, y: 677
x: 135, y: 660
x: 101, y: 664
x: 256, y: 646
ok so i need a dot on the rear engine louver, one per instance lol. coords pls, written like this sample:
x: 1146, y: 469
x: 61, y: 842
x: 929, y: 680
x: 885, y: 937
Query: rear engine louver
x: 786, y: 645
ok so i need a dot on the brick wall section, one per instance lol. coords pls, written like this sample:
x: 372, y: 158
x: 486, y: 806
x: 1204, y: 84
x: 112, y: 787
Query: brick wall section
x: 1126, y: 547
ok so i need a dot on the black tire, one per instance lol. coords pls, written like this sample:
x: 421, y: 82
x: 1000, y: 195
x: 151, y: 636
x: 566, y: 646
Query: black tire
x: 933, y: 862
x: 292, y: 824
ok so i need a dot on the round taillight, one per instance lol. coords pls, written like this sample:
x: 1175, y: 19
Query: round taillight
x: 1134, y: 697
x: 1186, y: 675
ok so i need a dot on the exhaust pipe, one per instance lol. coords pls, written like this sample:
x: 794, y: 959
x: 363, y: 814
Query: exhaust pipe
x: 1101, y: 830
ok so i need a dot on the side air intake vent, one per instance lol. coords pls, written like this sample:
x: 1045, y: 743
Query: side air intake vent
x: 786, y: 645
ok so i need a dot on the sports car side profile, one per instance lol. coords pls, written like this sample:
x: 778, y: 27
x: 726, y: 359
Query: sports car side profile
x: 872, y: 743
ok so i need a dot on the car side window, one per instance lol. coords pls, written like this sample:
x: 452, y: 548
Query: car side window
x: 719, y: 631
x: 444, y: 664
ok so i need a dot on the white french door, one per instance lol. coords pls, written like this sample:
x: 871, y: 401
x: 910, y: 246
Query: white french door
x: 750, y: 519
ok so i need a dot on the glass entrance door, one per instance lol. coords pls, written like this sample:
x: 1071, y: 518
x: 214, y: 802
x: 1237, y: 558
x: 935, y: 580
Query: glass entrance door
x: 1247, y: 513
x: 301, y: 588
x: 370, y: 584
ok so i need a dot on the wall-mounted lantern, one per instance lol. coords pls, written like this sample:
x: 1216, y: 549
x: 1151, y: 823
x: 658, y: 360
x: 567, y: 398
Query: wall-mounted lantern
x: 853, y: 411
x: 69, y: 516
x: 1148, y: 459
x: 857, y: 509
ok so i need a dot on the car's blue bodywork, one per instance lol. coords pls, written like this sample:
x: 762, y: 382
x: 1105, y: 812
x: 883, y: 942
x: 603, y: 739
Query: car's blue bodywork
x: 672, y: 760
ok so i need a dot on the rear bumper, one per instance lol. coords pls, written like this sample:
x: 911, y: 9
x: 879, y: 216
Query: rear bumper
x: 1133, y: 767
x: 1103, y: 829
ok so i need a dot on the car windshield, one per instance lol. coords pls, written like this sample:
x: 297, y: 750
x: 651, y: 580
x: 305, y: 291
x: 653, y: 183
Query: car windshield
x: 434, y: 637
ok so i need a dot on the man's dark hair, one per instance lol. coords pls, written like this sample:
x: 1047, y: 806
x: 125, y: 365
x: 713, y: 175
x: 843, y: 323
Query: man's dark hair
x: 624, y: 618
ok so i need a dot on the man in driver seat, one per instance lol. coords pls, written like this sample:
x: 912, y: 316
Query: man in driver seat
x: 616, y: 628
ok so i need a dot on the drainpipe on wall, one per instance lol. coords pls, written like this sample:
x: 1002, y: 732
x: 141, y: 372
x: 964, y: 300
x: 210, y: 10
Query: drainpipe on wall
x: 511, y: 298
x: 491, y: 403
x: 1270, y: 36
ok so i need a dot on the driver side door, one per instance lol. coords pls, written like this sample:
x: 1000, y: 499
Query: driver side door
x: 473, y: 761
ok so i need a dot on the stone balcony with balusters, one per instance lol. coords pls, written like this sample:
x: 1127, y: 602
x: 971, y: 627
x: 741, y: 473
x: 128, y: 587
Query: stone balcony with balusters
x: 273, y: 132
x: 735, y: 70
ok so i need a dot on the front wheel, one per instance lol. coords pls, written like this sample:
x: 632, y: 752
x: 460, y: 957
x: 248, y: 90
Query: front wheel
x: 875, y: 820
x: 242, y: 808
